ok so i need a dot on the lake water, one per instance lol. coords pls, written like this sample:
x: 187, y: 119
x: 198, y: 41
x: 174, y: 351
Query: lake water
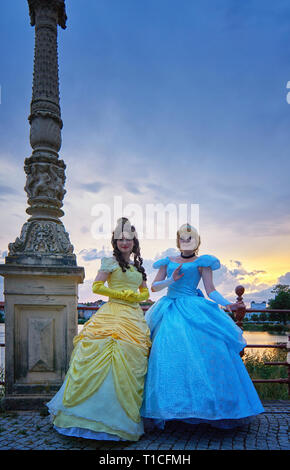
x: 252, y: 337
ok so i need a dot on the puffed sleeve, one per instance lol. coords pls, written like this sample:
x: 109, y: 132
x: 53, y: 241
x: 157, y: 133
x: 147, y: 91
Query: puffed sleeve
x: 108, y: 265
x: 209, y: 261
x: 160, y: 262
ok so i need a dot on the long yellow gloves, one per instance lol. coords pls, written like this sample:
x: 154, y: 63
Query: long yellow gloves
x: 144, y: 295
x: 125, y: 294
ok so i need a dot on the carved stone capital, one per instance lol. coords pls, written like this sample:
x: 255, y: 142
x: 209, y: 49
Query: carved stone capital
x: 42, y: 242
x: 48, y: 5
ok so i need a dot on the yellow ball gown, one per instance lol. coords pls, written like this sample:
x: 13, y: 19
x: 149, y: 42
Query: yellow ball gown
x: 103, y: 389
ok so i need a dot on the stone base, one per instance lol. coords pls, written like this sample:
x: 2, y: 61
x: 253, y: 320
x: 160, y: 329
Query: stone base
x: 41, y: 321
x: 25, y: 403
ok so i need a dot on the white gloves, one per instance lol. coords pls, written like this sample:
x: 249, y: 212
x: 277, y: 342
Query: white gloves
x: 162, y: 284
x: 218, y: 298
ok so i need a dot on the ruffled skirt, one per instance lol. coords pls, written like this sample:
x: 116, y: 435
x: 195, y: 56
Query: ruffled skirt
x: 103, y: 389
x: 195, y: 372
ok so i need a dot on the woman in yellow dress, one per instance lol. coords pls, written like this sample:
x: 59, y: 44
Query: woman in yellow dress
x: 103, y: 389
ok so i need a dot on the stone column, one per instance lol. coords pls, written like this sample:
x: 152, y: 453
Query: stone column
x: 41, y: 275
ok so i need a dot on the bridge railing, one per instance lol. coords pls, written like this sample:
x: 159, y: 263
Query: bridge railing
x: 2, y: 348
x: 239, y: 314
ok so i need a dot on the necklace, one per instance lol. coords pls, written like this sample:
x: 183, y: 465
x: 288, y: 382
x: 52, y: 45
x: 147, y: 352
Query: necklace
x: 189, y: 256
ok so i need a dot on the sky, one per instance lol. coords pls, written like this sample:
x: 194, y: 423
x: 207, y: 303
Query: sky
x: 163, y: 102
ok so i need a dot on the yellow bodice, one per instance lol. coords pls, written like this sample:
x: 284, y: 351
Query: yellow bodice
x: 119, y: 280
x: 131, y: 279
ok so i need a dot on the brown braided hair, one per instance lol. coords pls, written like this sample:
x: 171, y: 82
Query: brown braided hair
x: 123, y: 224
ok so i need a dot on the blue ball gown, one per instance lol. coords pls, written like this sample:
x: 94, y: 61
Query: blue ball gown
x: 195, y: 372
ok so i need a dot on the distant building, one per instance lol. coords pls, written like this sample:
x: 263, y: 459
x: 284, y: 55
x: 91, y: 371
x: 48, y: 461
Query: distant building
x: 258, y: 306
x: 85, y: 312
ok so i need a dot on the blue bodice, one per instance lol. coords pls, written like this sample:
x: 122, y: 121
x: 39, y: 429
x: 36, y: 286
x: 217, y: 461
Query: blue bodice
x: 187, y: 285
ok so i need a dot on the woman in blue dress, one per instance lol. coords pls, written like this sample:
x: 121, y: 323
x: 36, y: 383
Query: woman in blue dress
x: 195, y: 372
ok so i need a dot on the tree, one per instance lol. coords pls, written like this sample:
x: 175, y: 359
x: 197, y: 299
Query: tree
x: 281, y: 301
x: 254, y: 317
x: 263, y: 316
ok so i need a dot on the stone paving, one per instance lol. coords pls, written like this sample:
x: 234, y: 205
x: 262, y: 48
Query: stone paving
x: 268, y: 431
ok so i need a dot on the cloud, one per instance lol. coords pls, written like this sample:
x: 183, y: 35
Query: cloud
x: 227, y: 279
x: 132, y: 188
x: 171, y: 252
x: 3, y: 254
x: 238, y: 263
x: 159, y: 192
x: 94, y: 187
x: 259, y: 296
x: 93, y: 254
x: 285, y: 279
x: 261, y: 211
x: 85, y: 292
x: 6, y: 190
x: 241, y: 273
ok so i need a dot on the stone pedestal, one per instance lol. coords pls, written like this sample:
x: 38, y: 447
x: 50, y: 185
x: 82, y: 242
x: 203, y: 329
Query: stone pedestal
x: 40, y: 323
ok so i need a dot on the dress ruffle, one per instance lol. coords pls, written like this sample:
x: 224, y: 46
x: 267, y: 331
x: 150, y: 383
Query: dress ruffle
x: 99, y: 414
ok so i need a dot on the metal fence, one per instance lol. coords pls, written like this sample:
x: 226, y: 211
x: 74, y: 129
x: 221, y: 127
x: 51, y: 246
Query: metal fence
x: 239, y: 315
x: 2, y: 359
x: 239, y: 318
